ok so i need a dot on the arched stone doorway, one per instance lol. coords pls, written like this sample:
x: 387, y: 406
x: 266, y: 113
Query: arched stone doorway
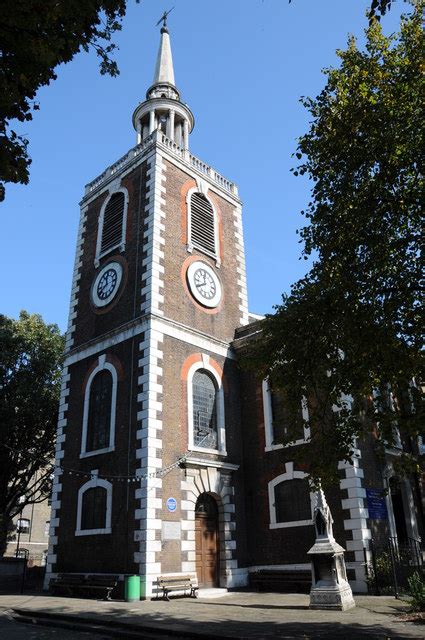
x: 207, y: 541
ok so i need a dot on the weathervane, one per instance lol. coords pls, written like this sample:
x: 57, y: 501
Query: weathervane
x: 163, y: 19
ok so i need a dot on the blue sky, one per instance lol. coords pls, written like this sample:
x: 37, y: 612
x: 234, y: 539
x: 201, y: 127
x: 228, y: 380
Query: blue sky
x: 241, y: 65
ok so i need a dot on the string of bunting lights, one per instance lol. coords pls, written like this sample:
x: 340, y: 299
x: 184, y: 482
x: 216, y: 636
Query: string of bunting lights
x: 159, y: 473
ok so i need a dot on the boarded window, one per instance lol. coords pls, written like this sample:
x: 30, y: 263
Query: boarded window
x: 204, y: 410
x: 93, y: 512
x: 99, y: 419
x: 292, y: 500
x: 202, y: 227
x: 113, y: 219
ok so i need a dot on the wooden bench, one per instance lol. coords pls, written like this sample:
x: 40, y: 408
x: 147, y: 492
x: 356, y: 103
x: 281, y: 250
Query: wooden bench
x: 177, y: 583
x: 281, y: 581
x: 78, y: 584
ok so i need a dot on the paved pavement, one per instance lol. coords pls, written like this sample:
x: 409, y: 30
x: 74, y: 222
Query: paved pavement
x: 236, y: 615
x: 12, y: 630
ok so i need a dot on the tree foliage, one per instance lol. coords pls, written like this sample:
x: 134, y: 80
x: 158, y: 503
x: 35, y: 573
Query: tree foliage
x: 30, y: 365
x: 378, y: 8
x: 351, y: 329
x: 35, y: 37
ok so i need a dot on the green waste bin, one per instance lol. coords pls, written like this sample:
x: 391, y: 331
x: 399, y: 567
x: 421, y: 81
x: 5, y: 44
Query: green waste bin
x: 132, y: 588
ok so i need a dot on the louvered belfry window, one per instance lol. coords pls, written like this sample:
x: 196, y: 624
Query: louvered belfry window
x: 113, y: 219
x: 202, y: 227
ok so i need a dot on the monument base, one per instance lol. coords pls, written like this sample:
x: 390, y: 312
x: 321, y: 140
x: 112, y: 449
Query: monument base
x: 336, y: 597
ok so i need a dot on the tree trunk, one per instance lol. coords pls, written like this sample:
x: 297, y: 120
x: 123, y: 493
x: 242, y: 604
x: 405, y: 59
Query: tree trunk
x: 5, y: 522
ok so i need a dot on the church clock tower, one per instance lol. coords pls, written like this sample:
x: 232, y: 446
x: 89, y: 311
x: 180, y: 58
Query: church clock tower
x: 148, y: 454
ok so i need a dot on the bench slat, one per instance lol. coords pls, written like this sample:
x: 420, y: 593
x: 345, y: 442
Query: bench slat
x: 177, y: 583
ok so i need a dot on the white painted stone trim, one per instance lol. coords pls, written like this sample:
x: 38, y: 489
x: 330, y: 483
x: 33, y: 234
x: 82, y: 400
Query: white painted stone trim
x: 69, y: 340
x: 57, y: 485
x: 101, y: 366
x: 92, y: 484
x: 154, y: 239
x: 289, y: 474
x: 164, y: 325
x: 217, y: 483
x: 149, y: 455
x: 357, y: 520
x: 221, y: 429
x: 240, y: 260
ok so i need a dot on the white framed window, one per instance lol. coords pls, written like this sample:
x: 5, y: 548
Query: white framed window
x: 274, y: 423
x: 205, y: 405
x: 112, y: 224
x: 291, y: 503
x: 202, y: 224
x: 94, y: 507
x: 47, y: 528
x: 100, y: 400
x: 23, y: 525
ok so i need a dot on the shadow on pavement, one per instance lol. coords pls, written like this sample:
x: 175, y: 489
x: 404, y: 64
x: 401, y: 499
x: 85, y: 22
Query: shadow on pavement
x: 225, y: 627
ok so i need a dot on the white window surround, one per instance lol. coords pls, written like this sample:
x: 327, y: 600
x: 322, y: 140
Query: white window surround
x: 91, y: 484
x: 221, y: 431
x: 120, y: 245
x: 289, y: 474
x: 202, y: 189
x: 102, y: 364
x: 268, y: 420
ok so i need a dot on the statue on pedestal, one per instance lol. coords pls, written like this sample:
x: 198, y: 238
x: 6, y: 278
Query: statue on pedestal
x: 330, y: 588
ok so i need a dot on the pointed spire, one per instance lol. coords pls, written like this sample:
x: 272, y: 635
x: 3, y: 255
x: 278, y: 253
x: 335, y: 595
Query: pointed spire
x: 164, y: 70
x: 163, y: 110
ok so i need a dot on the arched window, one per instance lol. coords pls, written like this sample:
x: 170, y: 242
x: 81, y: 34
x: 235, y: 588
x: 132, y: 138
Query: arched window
x: 202, y: 225
x: 99, y: 419
x: 112, y: 224
x: 94, y: 507
x: 98, y: 434
x: 205, y: 403
x: 290, y: 499
x: 204, y: 410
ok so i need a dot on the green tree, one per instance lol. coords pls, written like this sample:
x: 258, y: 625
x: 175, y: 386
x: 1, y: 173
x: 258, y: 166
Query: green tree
x: 377, y: 8
x: 35, y: 37
x: 30, y: 373
x: 353, y: 324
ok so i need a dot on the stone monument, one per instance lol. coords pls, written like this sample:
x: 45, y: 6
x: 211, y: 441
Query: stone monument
x: 330, y: 588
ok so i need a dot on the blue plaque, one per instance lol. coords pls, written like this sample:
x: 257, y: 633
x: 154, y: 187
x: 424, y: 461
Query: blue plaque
x: 376, y: 504
x: 171, y: 504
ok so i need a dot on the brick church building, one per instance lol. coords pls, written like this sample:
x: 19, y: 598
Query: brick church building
x: 167, y: 459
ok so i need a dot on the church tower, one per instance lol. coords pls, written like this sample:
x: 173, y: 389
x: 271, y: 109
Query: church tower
x: 148, y: 455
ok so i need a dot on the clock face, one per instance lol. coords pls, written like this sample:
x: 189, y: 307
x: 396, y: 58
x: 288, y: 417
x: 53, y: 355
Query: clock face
x: 204, y: 284
x: 106, y: 284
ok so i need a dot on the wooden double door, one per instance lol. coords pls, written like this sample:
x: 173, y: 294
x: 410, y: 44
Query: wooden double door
x: 207, y: 541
